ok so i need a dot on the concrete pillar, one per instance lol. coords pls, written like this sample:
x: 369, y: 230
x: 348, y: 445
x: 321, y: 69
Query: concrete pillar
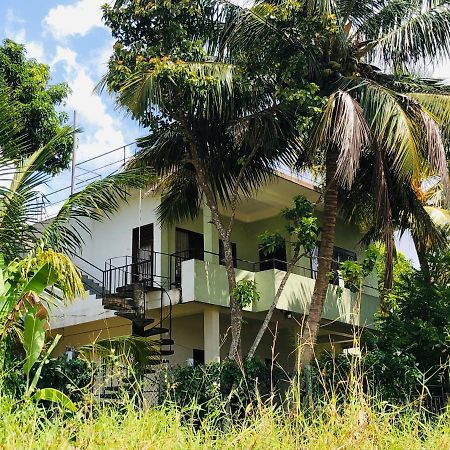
x: 211, y: 334
x: 210, y: 237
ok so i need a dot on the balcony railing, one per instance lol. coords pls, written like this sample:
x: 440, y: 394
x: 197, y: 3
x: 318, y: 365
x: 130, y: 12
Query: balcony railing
x: 252, y: 266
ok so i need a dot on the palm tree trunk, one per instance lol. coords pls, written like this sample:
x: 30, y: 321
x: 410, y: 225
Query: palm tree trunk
x: 309, y: 336
x: 271, y: 310
x: 235, y: 309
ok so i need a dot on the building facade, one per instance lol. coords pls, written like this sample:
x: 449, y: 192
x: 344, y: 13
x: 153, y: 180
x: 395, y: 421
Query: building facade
x: 168, y: 282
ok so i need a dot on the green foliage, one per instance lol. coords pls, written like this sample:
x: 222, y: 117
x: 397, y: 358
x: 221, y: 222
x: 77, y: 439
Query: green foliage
x: 246, y: 293
x: 302, y: 227
x: 360, y: 423
x: 270, y: 241
x: 354, y: 272
x: 402, y: 267
x: 215, y: 383
x: 54, y: 396
x: 392, y: 377
x: 33, y: 338
x: 418, y: 324
x: 70, y: 377
x: 22, y: 284
x: 36, y: 104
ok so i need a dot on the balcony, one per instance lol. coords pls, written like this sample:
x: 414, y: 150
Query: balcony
x: 206, y: 282
x: 164, y: 276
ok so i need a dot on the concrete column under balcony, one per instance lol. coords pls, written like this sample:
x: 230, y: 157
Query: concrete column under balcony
x: 210, y: 237
x: 211, y: 334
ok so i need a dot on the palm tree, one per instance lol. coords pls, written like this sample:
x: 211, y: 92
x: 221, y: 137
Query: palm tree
x: 213, y: 152
x: 382, y: 117
x: 217, y: 133
x: 21, y: 204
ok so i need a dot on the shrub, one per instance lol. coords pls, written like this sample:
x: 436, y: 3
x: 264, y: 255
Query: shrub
x: 71, y: 377
x: 211, y: 383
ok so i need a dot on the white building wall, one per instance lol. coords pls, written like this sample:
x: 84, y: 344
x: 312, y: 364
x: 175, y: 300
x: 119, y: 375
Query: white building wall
x: 113, y: 237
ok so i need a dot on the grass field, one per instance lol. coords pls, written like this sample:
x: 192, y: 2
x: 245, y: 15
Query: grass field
x: 354, y: 425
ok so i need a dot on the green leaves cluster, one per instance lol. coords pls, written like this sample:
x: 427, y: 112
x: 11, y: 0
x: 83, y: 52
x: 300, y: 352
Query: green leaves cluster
x: 24, y: 285
x: 302, y: 228
x: 354, y: 272
x: 246, y: 293
x: 413, y: 336
x: 36, y: 103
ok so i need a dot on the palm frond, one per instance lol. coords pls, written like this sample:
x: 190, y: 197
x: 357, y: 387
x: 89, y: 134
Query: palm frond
x: 343, y: 126
x: 436, y: 105
x: 149, y: 89
x: 395, y: 124
x: 97, y: 201
x: 132, y: 350
x: 422, y: 34
x: 21, y: 200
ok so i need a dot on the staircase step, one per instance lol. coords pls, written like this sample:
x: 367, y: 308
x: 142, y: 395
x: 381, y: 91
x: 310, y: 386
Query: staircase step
x: 150, y: 332
x: 113, y: 299
x: 126, y: 288
x: 129, y: 315
x: 116, y: 307
x: 143, y: 322
x: 166, y: 352
x: 165, y: 341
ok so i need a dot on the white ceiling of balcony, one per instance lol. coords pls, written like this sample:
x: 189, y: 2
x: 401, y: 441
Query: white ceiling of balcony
x: 272, y: 198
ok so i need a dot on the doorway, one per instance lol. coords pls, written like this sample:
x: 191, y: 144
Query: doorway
x: 142, y: 253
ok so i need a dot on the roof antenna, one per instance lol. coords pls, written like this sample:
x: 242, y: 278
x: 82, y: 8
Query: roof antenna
x: 74, y: 150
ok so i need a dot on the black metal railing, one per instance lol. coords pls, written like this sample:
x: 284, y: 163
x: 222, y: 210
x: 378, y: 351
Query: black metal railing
x: 251, y: 266
x: 158, y: 270
x: 149, y: 269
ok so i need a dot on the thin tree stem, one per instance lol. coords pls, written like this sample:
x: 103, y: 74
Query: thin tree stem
x: 271, y: 310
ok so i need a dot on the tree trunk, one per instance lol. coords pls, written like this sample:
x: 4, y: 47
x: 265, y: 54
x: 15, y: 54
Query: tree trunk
x: 235, y: 309
x: 271, y: 310
x: 224, y: 233
x: 309, y: 336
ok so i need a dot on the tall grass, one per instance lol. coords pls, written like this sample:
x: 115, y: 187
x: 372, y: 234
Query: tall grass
x: 358, y: 423
x: 348, y: 418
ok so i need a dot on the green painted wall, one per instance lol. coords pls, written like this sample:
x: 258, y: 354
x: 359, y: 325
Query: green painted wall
x: 245, y: 235
x: 210, y: 286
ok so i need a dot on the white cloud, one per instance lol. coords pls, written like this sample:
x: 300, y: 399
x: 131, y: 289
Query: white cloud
x: 14, y: 27
x: 75, y: 19
x: 102, y: 131
x: 98, y: 59
x: 35, y: 50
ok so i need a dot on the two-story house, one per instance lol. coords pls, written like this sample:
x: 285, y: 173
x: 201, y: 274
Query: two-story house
x: 168, y: 282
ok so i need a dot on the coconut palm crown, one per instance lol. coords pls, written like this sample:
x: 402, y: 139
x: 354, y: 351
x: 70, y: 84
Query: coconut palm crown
x: 381, y: 128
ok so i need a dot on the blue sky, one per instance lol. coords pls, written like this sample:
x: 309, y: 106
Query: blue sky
x: 69, y: 36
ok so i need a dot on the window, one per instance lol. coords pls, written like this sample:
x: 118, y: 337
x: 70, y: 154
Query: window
x: 188, y: 245
x: 198, y: 356
x: 222, y: 253
x: 274, y: 260
x: 339, y: 255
